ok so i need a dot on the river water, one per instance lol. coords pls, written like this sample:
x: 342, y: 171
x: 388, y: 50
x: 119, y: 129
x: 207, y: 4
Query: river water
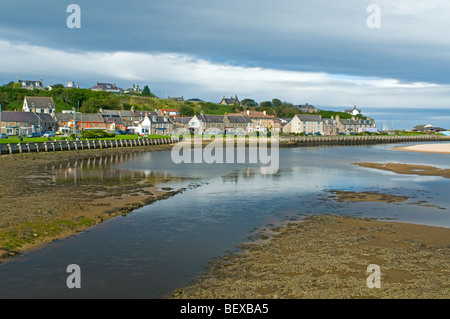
x: 157, y: 248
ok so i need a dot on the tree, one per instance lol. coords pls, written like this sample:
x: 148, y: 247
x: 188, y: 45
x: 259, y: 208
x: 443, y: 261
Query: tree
x: 265, y: 104
x: 146, y: 91
x: 249, y: 103
x: 276, y: 103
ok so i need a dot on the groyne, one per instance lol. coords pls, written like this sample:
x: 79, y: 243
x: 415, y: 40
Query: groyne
x: 64, y: 145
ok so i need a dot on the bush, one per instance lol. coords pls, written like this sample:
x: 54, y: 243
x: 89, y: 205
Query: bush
x: 97, y: 134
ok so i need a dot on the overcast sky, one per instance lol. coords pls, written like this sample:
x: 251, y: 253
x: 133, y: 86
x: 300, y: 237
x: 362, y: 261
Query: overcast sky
x: 317, y: 52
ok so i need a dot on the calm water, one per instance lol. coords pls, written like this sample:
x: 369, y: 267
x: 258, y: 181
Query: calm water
x: 155, y: 249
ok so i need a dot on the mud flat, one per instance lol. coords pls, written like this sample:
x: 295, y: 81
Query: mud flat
x: 400, y: 168
x: 426, y: 148
x: 327, y: 256
x: 35, y: 210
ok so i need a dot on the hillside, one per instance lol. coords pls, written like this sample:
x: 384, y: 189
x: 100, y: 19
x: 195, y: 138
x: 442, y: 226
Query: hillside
x: 88, y: 101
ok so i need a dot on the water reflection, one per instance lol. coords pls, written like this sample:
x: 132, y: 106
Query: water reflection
x: 103, y: 169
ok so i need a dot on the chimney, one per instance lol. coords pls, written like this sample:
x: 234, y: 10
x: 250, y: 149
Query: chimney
x: 264, y: 112
x: 248, y: 112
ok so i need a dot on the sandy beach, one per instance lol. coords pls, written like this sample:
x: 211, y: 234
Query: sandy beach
x: 426, y: 148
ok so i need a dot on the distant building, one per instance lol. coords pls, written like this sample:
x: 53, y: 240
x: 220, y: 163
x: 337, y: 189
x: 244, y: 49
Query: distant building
x: 31, y: 84
x: 307, y: 108
x: 38, y: 105
x: 133, y: 89
x: 230, y: 101
x: 354, y: 111
x: 428, y: 128
x: 71, y: 85
x: 108, y: 87
x: 178, y: 98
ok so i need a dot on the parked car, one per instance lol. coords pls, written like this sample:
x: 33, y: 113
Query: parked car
x: 31, y: 135
x: 49, y: 134
x: 4, y: 136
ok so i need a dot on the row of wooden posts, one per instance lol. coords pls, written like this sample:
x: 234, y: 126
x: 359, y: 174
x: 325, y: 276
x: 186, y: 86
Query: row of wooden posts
x: 75, y: 145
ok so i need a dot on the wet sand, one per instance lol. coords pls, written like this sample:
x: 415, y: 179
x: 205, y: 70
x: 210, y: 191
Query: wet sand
x: 426, y: 148
x: 411, y: 169
x: 327, y: 257
x: 35, y: 210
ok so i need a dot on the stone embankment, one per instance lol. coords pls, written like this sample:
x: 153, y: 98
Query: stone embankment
x: 357, y: 140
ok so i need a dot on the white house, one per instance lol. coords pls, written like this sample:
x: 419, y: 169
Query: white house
x: 39, y: 105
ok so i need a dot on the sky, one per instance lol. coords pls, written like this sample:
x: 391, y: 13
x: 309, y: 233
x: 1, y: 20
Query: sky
x: 392, y: 63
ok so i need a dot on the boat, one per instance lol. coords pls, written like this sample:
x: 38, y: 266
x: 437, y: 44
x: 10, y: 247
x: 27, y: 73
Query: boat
x: 446, y: 133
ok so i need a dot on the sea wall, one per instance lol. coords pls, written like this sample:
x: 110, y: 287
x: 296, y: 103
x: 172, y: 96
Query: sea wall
x: 56, y: 146
x: 356, y: 140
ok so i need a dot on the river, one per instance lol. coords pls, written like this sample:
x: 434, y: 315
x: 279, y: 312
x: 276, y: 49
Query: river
x: 157, y: 248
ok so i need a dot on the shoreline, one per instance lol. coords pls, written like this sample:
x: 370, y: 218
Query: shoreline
x: 426, y: 148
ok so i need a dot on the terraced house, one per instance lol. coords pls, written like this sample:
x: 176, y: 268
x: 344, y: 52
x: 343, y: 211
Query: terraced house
x: 23, y: 123
x: 354, y: 125
x: 306, y: 124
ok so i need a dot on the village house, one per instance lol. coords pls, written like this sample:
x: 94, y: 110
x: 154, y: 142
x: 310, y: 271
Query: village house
x: 329, y: 126
x: 354, y: 125
x: 354, y: 111
x: 202, y: 123
x: 71, y: 122
x: 107, y: 87
x: 307, y: 108
x: 154, y: 125
x: 113, y: 122
x: 237, y: 124
x: 306, y: 124
x: 128, y: 117
x: 230, y: 101
x: 181, y: 123
x: 168, y: 112
x: 31, y: 84
x: 23, y: 123
x: 176, y: 98
x: 35, y: 104
x: 262, y: 122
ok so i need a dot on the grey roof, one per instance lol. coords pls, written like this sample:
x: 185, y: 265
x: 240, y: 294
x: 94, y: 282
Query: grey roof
x: 25, y: 117
x: 143, y: 113
x: 112, y: 118
x: 125, y: 113
x: 309, y: 118
x: 106, y: 87
x: 40, y: 102
x: 85, y: 117
x: 211, y: 118
x: 184, y: 119
x: 239, y: 119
